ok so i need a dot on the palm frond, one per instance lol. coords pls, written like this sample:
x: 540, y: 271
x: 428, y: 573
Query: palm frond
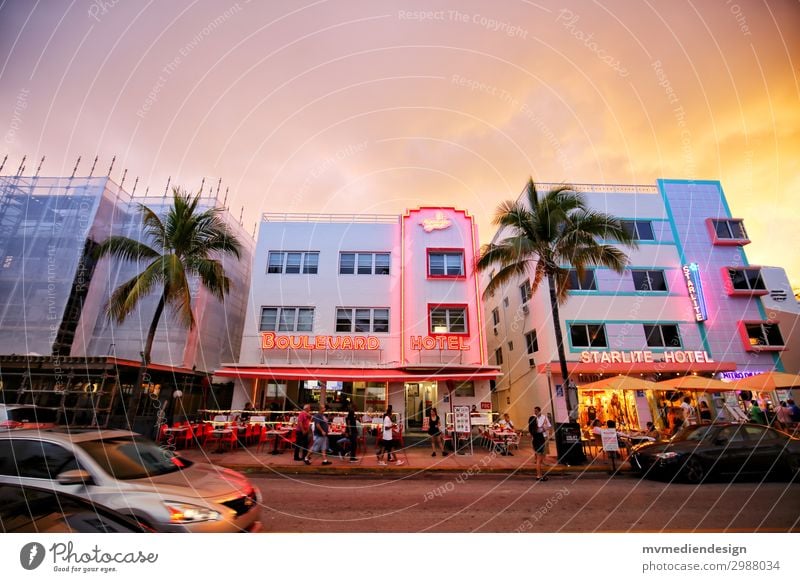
x: 125, y: 249
x: 152, y: 227
x: 127, y: 296
x: 509, y: 272
x: 212, y: 275
x: 177, y: 289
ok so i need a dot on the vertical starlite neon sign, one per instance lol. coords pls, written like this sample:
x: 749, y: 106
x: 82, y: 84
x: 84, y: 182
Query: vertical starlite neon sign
x: 691, y: 273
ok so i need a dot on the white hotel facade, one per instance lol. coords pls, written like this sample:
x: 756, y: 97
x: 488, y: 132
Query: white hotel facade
x: 374, y: 309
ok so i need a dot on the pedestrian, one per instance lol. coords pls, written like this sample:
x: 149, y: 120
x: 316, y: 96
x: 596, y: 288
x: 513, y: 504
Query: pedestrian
x: 688, y: 412
x: 302, y: 432
x: 351, y: 427
x: 756, y: 414
x: 652, y: 431
x: 539, y: 426
x: 794, y: 409
x: 784, y: 415
x: 246, y: 412
x: 320, y: 429
x: 435, y: 432
x: 705, y: 412
x: 387, y: 439
x: 506, y: 422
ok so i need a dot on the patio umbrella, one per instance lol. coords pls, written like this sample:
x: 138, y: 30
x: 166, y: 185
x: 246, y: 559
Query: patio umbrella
x: 768, y: 381
x: 696, y: 383
x: 620, y: 383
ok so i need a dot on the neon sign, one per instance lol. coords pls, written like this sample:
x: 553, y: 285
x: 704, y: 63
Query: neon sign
x: 691, y: 273
x: 644, y: 357
x: 272, y: 341
x: 438, y: 222
x: 439, y: 342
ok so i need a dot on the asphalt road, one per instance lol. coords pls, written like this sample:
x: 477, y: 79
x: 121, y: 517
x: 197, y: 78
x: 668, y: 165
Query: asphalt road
x: 496, y: 503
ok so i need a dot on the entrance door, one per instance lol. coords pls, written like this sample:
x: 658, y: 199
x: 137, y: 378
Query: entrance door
x: 420, y: 398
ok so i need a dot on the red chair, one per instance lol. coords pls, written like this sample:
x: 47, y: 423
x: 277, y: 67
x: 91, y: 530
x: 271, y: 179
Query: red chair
x: 262, y: 439
x: 162, y: 434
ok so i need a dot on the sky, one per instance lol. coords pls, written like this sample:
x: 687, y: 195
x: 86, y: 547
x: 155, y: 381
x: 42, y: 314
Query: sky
x: 376, y: 107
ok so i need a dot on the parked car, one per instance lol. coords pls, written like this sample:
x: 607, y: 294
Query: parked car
x: 33, y: 510
x: 26, y: 416
x: 723, y: 450
x: 133, y: 476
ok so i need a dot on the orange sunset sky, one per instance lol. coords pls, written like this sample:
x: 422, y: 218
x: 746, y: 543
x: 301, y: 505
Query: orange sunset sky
x: 374, y: 107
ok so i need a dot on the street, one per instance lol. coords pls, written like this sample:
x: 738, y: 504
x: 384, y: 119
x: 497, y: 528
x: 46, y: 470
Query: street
x: 499, y: 503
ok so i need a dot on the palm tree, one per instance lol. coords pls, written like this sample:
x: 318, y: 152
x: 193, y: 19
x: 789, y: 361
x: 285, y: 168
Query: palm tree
x: 545, y: 234
x: 182, y: 246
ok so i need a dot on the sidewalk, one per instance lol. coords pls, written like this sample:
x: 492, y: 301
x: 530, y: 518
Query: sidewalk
x: 416, y: 459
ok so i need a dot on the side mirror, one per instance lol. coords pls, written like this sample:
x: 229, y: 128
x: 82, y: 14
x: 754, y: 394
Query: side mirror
x: 75, y: 477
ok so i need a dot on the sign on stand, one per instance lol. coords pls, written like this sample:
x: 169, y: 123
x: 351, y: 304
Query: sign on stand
x: 608, y: 436
x: 462, y: 424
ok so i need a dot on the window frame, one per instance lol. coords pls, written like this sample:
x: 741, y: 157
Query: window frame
x: 712, y: 225
x: 768, y: 347
x: 353, y: 316
x: 647, y: 273
x: 531, y: 342
x: 496, y: 316
x: 587, y: 272
x: 284, y: 263
x: 448, y: 307
x: 730, y: 285
x: 296, y: 321
x: 660, y: 328
x: 445, y: 252
x: 373, y: 262
x: 635, y: 234
x: 498, y: 356
x: 525, y: 291
x: 601, y: 326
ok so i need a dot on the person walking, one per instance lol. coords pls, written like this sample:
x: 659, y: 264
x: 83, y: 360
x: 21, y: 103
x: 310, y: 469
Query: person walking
x: 302, y: 432
x: 756, y: 414
x: 351, y: 427
x: 539, y: 426
x: 435, y: 432
x: 387, y: 439
x: 688, y: 411
x: 320, y: 422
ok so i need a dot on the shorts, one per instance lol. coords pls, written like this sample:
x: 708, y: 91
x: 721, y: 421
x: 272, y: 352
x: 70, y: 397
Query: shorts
x: 320, y: 444
x: 387, y: 445
x: 539, y: 443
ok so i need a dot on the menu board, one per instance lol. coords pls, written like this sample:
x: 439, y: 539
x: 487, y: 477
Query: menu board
x: 609, y: 438
x: 461, y: 420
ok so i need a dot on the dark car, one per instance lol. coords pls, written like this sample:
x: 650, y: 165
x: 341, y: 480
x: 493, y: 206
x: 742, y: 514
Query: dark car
x: 13, y: 416
x: 32, y: 510
x: 720, y: 450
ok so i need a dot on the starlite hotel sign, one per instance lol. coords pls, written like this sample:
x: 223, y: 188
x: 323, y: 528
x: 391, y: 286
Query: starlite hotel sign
x: 691, y: 273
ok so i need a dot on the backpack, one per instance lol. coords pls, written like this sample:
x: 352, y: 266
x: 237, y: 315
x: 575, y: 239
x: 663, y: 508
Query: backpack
x: 533, y: 425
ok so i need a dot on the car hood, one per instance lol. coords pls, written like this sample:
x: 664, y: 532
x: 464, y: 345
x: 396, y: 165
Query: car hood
x: 201, y: 481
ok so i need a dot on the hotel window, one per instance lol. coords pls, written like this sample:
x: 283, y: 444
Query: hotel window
x: 445, y: 264
x: 448, y: 319
x: 364, y: 263
x: 585, y: 283
x: 762, y: 334
x: 466, y: 389
x: 588, y: 335
x: 729, y: 229
x: 362, y: 320
x: 495, y: 316
x: 638, y: 229
x: 662, y: 336
x: 292, y: 262
x: 747, y: 279
x: 498, y: 356
x: 649, y: 280
x: 286, y: 319
x: 525, y: 291
x: 532, y: 342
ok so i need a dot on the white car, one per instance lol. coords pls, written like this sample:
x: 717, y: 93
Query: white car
x: 133, y: 476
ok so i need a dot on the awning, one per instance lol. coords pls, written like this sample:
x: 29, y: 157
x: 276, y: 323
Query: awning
x: 698, y: 383
x: 357, y: 374
x: 639, y: 367
x: 619, y: 383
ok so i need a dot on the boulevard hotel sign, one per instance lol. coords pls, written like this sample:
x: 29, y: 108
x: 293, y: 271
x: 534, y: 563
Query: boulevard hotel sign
x: 645, y: 357
x: 271, y: 341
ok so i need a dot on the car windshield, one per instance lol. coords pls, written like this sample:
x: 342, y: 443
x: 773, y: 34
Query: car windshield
x: 697, y: 433
x: 129, y: 458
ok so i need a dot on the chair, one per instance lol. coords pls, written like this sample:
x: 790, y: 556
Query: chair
x: 231, y: 439
x: 162, y: 434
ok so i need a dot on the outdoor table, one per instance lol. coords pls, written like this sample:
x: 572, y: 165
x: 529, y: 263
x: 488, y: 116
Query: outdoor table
x: 277, y: 433
x: 501, y: 437
x: 219, y: 433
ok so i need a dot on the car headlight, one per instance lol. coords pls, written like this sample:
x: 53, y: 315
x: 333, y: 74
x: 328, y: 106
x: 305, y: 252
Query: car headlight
x: 187, y: 513
x: 667, y: 455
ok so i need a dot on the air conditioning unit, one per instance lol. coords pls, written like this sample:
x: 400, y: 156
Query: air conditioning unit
x: 531, y: 363
x: 526, y: 309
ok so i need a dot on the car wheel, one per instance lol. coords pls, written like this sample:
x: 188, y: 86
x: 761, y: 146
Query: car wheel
x: 693, y: 471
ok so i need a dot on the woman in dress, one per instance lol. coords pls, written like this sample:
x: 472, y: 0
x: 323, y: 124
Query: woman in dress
x: 435, y: 432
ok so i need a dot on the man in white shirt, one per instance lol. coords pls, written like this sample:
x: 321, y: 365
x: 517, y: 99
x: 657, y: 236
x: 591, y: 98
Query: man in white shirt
x: 540, y: 428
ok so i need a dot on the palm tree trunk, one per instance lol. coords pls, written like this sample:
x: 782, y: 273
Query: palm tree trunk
x: 148, y: 348
x: 570, y: 391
